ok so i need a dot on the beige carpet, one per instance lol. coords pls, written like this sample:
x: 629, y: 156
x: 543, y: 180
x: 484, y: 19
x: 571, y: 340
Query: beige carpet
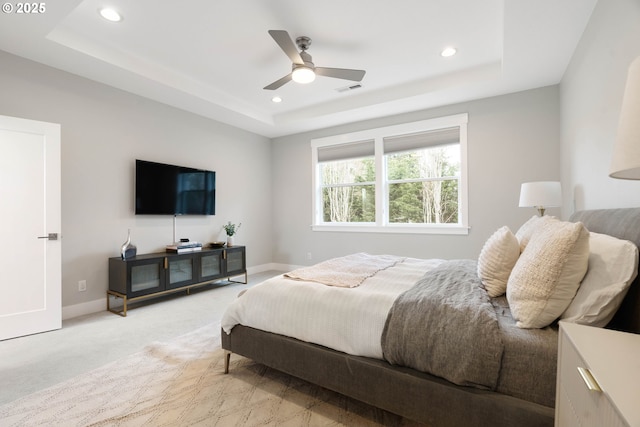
x: 181, y: 383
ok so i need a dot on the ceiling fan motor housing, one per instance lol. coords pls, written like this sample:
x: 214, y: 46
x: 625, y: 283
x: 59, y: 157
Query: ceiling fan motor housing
x: 306, y: 58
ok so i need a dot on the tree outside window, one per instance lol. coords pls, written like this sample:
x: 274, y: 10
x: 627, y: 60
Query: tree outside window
x: 348, y: 190
x: 423, y: 185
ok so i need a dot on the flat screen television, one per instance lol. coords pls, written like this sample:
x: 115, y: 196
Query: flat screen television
x: 162, y: 189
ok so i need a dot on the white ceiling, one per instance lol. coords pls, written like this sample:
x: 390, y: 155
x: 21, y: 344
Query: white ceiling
x: 213, y: 57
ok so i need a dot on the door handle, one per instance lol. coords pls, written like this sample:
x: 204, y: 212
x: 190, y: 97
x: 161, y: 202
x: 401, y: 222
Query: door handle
x: 50, y: 236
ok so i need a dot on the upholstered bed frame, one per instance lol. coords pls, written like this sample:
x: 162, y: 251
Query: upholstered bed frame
x: 416, y: 395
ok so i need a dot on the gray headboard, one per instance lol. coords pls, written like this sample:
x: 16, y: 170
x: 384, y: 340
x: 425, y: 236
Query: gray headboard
x: 622, y: 223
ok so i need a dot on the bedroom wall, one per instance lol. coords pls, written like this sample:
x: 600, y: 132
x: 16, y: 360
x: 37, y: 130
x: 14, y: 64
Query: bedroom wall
x: 103, y: 131
x: 511, y: 139
x: 591, y: 97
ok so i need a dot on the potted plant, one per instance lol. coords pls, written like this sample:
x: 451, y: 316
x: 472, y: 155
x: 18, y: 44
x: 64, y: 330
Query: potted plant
x: 231, y: 229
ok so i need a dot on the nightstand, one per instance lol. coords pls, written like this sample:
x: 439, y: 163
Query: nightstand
x: 598, y: 380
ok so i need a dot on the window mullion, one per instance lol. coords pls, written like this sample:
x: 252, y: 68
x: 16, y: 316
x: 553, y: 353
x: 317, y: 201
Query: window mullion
x: 316, y: 195
x: 463, y: 195
x: 382, y: 217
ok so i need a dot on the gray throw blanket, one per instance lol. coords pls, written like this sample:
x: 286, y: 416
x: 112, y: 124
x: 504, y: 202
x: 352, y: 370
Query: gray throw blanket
x: 445, y: 325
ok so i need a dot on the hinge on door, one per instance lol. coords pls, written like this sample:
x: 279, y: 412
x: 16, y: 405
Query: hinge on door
x: 50, y: 236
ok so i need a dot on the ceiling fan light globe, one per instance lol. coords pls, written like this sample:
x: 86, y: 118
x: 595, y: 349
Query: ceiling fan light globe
x: 303, y: 75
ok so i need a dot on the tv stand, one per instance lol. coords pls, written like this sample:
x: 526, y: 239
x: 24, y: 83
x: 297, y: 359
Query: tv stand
x: 151, y: 275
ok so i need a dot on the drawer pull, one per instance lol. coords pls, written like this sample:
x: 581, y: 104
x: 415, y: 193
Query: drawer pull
x: 588, y: 379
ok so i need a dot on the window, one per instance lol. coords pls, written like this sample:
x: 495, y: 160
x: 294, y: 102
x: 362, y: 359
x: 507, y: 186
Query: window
x: 348, y: 182
x: 403, y: 178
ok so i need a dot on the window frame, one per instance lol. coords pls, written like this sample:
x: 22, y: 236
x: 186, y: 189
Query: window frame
x: 382, y: 224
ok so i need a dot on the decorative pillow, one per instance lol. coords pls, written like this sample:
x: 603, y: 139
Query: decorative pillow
x: 529, y: 228
x: 613, y: 264
x: 548, y: 273
x: 497, y: 258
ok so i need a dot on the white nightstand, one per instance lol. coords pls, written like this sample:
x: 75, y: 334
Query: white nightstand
x: 610, y: 361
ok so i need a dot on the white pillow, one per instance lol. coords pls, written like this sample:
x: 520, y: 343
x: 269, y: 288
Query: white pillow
x: 497, y: 258
x: 529, y: 228
x: 613, y: 264
x: 548, y: 273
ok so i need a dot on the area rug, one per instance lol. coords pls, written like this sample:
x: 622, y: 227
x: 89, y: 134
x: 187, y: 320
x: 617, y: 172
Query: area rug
x: 181, y: 383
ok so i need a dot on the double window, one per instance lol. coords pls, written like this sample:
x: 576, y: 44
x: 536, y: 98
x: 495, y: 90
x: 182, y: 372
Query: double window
x: 403, y: 178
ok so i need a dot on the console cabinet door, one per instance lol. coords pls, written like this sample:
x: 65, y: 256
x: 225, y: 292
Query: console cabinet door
x: 211, y: 265
x: 236, y: 262
x: 145, y: 277
x: 181, y: 271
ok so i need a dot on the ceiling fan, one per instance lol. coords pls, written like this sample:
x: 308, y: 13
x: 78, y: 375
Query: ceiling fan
x: 303, y: 69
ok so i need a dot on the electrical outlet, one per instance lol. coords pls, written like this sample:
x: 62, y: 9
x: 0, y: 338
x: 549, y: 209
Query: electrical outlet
x: 82, y: 285
x: 309, y: 255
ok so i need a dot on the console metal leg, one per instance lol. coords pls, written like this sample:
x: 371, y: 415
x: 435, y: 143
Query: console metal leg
x: 246, y: 277
x: 114, y: 294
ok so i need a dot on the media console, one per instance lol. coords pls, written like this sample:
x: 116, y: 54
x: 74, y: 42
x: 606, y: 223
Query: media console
x: 151, y: 275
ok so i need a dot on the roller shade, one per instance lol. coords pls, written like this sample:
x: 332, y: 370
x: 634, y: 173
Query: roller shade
x: 415, y: 141
x: 352, y: 150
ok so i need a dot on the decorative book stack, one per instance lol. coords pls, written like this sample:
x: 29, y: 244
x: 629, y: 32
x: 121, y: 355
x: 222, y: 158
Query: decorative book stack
x: 182, y: 247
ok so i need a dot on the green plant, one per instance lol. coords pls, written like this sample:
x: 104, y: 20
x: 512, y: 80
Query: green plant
x: 230, y: 228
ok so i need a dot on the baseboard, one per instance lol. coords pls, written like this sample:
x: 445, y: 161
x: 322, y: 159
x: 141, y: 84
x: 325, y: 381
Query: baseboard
x: 274, y: 266
x: 90, y: 307
x: 96, y: 306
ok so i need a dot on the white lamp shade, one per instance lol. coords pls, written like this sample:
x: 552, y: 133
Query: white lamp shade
x: 626, y: 151
x: 540, y: 194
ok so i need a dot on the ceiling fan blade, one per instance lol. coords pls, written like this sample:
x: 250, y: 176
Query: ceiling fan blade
x: 286, y: 44
x: 341, y: 73
x: 275, y: 85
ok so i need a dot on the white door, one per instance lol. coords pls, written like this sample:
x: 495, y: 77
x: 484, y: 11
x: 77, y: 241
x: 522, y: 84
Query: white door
x: 30, y: 259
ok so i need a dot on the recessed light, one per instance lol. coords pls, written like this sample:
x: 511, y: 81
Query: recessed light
x: 276, y: 99
x: 110, y: 14
x: 448, y: 51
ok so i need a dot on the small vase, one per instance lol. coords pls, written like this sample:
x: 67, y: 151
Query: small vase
x: 127, y: 250
x: 229, y: 240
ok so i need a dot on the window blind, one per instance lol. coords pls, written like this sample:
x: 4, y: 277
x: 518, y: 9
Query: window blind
x: 351, y: 150
x: 415, y: 141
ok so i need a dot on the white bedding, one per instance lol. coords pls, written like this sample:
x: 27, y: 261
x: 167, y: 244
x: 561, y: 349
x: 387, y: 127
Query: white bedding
x: 350, y: 320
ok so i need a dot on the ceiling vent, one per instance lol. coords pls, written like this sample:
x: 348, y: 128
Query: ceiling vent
x: 348, y: 88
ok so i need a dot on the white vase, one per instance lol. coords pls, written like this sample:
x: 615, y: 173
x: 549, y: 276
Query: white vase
x: 229, y: 240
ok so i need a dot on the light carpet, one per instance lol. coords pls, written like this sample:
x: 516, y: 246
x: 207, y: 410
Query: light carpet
x: 181, y: 383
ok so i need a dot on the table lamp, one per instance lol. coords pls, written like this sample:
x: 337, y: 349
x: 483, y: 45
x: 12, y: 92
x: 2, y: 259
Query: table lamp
x: 540, y: 195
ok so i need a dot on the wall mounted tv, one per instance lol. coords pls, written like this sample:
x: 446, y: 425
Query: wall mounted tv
x: 163, y: 189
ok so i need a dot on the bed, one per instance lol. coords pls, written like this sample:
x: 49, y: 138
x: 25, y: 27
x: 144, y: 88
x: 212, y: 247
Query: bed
x: 356, y: 365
